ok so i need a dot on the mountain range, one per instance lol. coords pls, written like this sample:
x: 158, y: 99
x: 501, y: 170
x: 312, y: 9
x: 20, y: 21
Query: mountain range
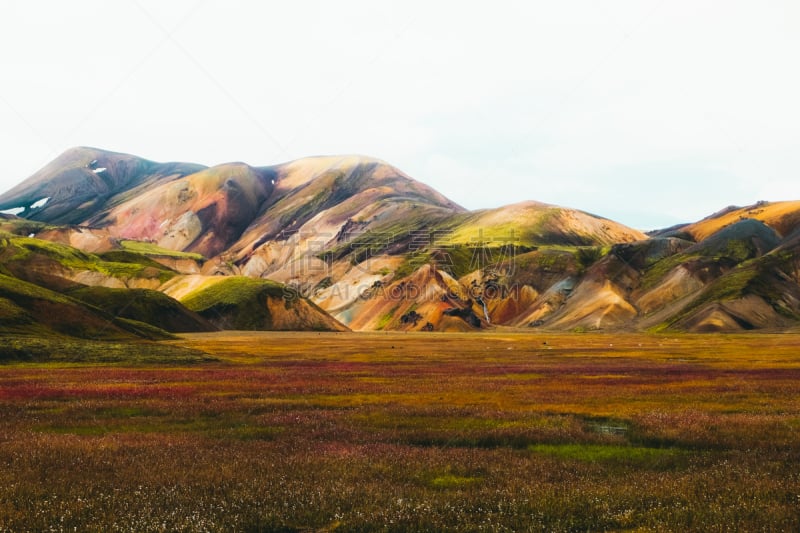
x: 100, y: 244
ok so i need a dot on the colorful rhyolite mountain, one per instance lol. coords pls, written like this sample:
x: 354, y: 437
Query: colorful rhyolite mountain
x: 332, y: 243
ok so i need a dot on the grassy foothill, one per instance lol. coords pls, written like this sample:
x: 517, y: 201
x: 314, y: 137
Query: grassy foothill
x: 287, y: 431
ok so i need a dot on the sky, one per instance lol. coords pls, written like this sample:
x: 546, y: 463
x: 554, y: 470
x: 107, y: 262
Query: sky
x: 648, y: 112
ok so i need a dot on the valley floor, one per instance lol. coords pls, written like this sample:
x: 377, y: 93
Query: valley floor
x: 407, y: 432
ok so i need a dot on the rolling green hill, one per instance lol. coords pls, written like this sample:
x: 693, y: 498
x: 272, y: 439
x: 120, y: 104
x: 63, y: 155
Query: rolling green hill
x: 241, y: 303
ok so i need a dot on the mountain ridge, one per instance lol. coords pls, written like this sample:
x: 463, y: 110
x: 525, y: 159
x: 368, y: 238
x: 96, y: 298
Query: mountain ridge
x: 376, y: 249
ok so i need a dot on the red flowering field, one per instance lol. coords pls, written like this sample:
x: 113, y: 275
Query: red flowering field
x: 408, y: 432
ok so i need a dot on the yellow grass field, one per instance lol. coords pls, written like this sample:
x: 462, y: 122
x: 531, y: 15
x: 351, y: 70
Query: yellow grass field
x: 498, y: 431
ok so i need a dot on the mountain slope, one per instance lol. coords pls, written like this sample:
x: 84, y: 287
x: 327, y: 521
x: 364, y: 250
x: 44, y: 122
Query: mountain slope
x: 203, y: 212
x: 357, y: 238
x: 83, y: 181
x: 27, y: 309
x: 783, y: 217
x: 144, y: 305
x: 535, y: 223
x: 61, y: 267
x: 334, y: 205
x: 243, y: 303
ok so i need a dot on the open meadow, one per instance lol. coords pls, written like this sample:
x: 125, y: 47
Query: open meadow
x: 403, y: 432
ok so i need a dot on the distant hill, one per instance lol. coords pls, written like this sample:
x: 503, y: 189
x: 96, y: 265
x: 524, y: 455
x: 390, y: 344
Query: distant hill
x: 242, y: 303
x: 84, y: 181
x: 357, y: 239
x: 27, y: 309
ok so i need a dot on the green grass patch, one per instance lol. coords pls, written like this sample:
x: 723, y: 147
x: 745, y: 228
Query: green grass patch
x: 11, y: 312
x: 586, y: 256
x: 13, y: 288
x: 385, y: 319
x: 604, y: 452
x: 549, y: 259
x: 240, y: 303
x: 450, y: 481
x: 72, y: 350
x: 658, y: 270
x: 21, y: 226
x: 143, y: 329
x: 233, y: 290
x: 532, y: 230
x: 128, y: 257
x: 147, y: 248
x: 20, y: 249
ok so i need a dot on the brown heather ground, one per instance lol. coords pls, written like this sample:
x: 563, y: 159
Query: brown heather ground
x: 410, y: 432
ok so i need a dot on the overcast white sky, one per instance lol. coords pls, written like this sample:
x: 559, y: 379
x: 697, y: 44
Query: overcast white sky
x: 649, y: 112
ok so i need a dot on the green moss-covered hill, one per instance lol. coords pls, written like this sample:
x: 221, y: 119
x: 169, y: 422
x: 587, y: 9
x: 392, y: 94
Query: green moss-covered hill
x: 144, y: 305
x: 50, y: 288
x: 241, y: 303
x: 28, y: 309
